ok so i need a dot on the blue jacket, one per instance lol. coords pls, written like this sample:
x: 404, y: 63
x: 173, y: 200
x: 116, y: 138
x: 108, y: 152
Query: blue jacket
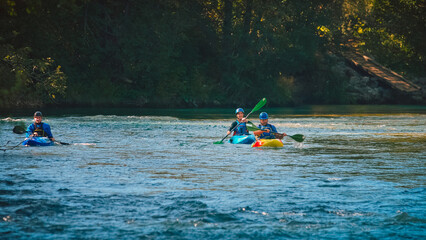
x: 269, y: 135
x: 43, y: 130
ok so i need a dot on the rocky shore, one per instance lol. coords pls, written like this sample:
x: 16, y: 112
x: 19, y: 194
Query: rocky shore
x: 364, y: 88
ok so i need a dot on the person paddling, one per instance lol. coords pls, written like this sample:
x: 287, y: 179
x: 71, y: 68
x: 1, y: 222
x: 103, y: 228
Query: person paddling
x: 239, y: 126
x: 38, y: 128
x: 267, y: 130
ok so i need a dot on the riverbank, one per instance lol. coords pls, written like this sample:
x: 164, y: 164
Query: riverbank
x: 368, y: 82
x: 354, y: 87
x: 214, y: 113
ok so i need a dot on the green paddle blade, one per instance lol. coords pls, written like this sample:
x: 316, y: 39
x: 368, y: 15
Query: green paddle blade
x: 251, y: 127
x: 259, y: 105
x: 298, y: 137
x: 18, y: 130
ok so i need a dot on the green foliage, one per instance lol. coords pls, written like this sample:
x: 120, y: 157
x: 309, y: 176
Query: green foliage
x: 196, y: 53
x: 391, y: 30
x: 28, y: 81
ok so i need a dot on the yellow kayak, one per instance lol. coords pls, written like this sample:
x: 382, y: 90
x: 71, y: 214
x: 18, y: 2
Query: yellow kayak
x: 276, y: 143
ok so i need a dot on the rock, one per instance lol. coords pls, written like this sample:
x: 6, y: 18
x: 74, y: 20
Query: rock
x: 354, y: 80
x: 373, y: 83
x: 339, y: 69
x: 365, y: 80
x: 349, y: 72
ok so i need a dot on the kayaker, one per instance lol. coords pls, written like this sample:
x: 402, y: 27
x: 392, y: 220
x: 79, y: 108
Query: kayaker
x: 268, y: 131
x: 239, y: 126
x: 39, y: 128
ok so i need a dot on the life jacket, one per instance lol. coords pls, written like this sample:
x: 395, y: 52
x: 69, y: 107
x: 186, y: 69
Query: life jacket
x: 40, y: 130
x: 241, y: 129
x: 266, y: 135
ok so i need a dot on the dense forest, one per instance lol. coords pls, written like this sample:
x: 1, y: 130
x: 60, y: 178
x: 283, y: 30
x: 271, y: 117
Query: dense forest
x: 170, y: 53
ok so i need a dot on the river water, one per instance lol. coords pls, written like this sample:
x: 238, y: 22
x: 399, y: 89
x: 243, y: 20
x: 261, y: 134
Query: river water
x: 156, y: 174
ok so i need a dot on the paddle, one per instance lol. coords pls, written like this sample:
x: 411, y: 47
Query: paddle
x: 4, y: 150
x: 296, y: 137
x: 10, y: 148
x: 17, y: 130
x: 258, y: 106
x: 21, y: 130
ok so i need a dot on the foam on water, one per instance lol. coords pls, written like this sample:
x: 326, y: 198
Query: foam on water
x: 162, y: 177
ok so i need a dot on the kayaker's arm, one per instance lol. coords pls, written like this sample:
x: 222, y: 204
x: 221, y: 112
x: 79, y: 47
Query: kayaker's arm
x: 46, y: 128
x: 276, y: 134
x: 232, y: 127
x: 274, y: 129
x: 259, y: 132
x: 280, y: 135
x: 30, y: 131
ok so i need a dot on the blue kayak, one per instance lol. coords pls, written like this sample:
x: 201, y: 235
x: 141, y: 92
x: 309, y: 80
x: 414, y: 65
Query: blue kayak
x: 242, y: 139
x: 38, y: 141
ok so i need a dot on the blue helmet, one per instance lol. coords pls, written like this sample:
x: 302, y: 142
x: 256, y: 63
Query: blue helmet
x: 263, y: 115
x: 239, y: 110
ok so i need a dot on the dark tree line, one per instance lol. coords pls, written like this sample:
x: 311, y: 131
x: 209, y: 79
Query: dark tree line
x: 196, y: 53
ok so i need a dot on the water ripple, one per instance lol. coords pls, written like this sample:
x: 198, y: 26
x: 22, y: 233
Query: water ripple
x: 128, y: 176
